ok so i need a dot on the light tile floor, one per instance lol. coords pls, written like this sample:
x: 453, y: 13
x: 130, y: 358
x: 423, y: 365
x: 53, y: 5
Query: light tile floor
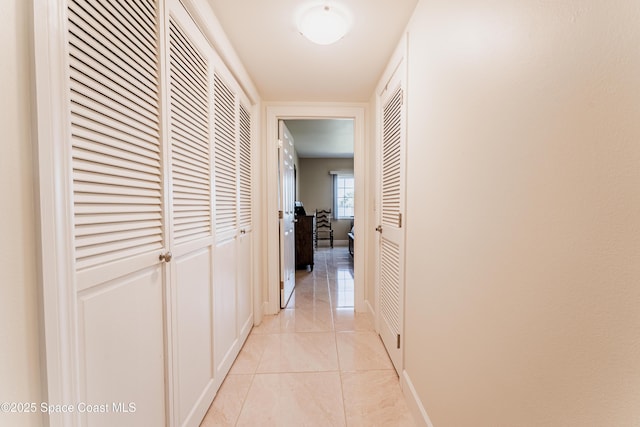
x: 316, y: 363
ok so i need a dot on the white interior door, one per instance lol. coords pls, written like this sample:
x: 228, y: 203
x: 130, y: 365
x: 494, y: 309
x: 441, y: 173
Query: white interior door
x: 286, y: 207
x: 119, y: 229
x: 391, y: 243
x: 191, y: 213
x: 226, y: 219
x: 245, y: 218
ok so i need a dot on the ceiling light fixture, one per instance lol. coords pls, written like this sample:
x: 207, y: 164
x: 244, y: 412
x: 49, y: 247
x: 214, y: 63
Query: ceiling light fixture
x: 324, y: 23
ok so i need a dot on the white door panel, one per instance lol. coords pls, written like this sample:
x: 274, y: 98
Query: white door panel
x: 191, y: 216
x: 121, y: 340
x: 119, y: 227
x: 287, y: 201
x: 193, y: 340
x: 391, y: 229
x: 245, y: 307
x: 225, y: 305
x: 245, y: 218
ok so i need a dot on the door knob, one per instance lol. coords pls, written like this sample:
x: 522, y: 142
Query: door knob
x: 166, y: 257
x: 379, y: 229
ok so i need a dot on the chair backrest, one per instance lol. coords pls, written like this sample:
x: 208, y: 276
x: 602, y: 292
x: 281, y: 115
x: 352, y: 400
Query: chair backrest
x: 323, y: 219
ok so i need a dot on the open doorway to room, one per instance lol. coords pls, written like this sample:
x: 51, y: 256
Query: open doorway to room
x: 346, y: 170
x: 325, y: 203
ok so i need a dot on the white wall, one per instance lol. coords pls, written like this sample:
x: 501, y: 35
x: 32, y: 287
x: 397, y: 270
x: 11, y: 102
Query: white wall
x: 523, y: 221
x: 19, y: 351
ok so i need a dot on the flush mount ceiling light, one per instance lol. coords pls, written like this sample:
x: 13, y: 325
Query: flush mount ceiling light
x: 324, y: 23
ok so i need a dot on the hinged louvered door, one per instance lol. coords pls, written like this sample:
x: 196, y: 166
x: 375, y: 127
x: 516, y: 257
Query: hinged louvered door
x: 190, y: 111
x: 226, y: 134
x: 245, y: 220
x: 118, y: 216
x: 391, y: 249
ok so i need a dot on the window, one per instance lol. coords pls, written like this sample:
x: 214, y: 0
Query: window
x: 343, y: 194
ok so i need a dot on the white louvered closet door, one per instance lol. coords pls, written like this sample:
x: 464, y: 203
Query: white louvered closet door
x: 190, y: 93
x: 226, y: 218
x: 245, y: 241
x: 391, y: 250
x: 119, y: 225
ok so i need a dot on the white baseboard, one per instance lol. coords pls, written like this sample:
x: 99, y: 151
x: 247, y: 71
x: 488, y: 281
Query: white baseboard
x: 371, y: 312
x: 420, y: 415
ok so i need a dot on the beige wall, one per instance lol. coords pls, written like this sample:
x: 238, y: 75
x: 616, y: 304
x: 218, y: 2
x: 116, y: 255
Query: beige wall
x: 19, y: 366
x: 316, y: 188
x: 523, y: 221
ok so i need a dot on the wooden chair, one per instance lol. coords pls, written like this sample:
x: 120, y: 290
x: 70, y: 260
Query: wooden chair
x: 323, y: 226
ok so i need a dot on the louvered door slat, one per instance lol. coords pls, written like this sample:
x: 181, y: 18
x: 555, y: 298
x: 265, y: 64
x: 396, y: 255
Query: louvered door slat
x: 110, y: 35
x: 190, y: 163
x: 225, y: 157
x: 178, y: 59
x: 107, y: 251
x: 106, y: 174
x: 187, y: 160
x: 97, y: 151
x: 391, y: 167
x: 91, y: 108
x: 143, y: 115
x: 191, y: 218
x: 101, y: 160
x: 141, y: 9
x: 116, y: 218
x: 189, y: 126
x: 188, y: 150
x: 121, y: 66
x: 117, y: 174
x: 137, y: 11
x: 93, y: 129
x: 192, y: 207
x: 244, y: 213
x: 190, y: 153
x: 187, y: 180
x: 189, y: 177
x: 96, y: 229
x: 124, y: 85
x: 114, y: 28
x: 389, y: 281
x: 192, y: 60
x: 113, y: 188
x: 92, y: 208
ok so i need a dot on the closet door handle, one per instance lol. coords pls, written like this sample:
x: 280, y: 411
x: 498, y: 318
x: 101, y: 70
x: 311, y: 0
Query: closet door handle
x: 379, y: 229
x: 166, y: 257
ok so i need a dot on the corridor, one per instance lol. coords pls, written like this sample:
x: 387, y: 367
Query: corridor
x: 316, y: 363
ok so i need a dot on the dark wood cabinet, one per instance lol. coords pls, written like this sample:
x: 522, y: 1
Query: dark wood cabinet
x: 304, y: 241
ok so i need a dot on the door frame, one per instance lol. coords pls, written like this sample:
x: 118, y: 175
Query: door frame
x: 292, y: 111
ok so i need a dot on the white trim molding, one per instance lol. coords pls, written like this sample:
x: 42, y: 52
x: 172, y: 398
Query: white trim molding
x: 418, y: 411
x: 273, y: 113
x: 56, y: 280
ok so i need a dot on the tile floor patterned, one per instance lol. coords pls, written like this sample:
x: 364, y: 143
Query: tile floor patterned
x: 316, y: 363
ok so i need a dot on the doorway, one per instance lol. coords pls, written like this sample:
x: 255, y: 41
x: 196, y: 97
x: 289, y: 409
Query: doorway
x: 325, y: 196
x: 295, y: 112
